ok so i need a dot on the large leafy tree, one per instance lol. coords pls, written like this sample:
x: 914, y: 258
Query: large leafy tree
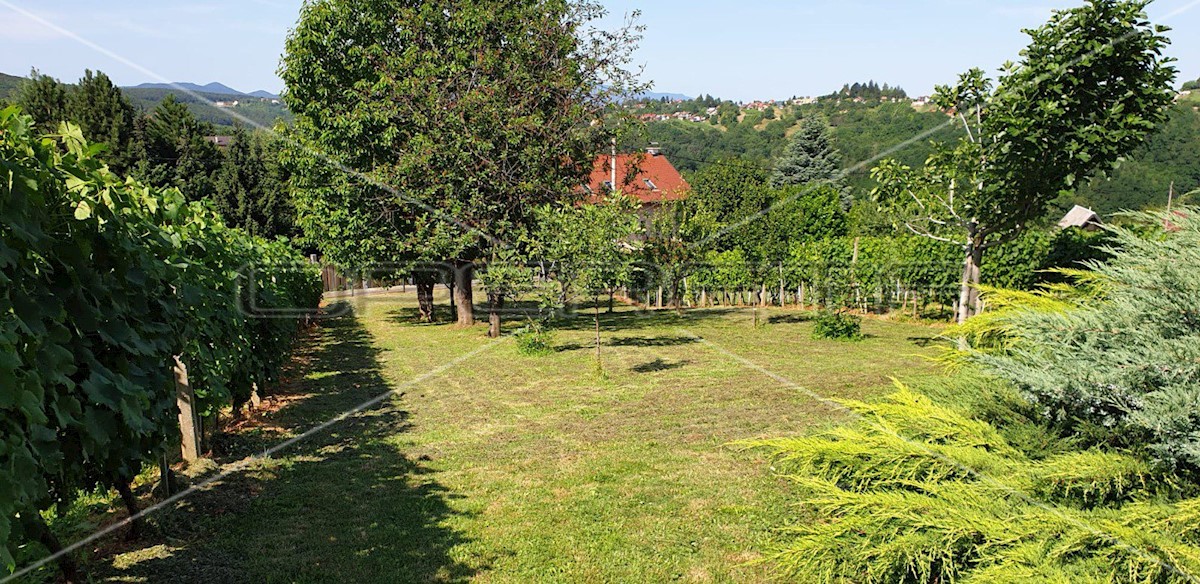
x: 429, y: 130
x: 1088, y: 89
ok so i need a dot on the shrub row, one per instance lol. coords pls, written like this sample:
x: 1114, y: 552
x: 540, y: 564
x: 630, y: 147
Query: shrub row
x: 103, y: 282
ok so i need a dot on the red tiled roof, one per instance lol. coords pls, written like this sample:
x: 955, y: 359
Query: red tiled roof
x: 668, y: 183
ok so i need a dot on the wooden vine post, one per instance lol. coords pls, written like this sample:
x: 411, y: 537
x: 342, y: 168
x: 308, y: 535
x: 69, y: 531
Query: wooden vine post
x: 189, y: 420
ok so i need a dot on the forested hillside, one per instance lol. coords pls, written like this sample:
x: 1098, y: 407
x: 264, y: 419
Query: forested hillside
x: 250, y: 109
x: 865, y: 131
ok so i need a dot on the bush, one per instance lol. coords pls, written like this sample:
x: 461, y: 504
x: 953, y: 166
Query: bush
x: 916, y: 492
x: 535, y: 340
x: 838, y: 326
x: 1115, y: 358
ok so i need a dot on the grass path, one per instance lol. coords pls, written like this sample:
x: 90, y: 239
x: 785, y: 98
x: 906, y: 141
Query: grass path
x: 505, y: 468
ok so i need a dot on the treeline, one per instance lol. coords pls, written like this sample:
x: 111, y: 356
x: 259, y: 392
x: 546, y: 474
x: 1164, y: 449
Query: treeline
x: 168, y: 147
x: 869, y: 91
x: 108, y: 282
x: 798, y: 245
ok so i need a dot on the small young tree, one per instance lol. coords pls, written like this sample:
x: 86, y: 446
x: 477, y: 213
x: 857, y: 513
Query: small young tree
x: 677, y: 239
x: 505, y: 277
x: 590, y: 247
x: 1088, y: 89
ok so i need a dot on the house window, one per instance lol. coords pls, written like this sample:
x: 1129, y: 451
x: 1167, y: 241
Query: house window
x: 650, y: 184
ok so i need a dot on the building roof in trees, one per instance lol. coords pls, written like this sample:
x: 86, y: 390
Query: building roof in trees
x: 646, y: 176
x: 1080, y: 217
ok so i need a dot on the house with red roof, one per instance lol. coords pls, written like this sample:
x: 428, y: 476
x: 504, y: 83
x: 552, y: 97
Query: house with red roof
x: 647, y: 176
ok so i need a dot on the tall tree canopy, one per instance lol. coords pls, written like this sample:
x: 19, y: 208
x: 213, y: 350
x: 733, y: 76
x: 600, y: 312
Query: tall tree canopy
x: 429, y: 130
x: 105, y: 116
x: 1089, y: 88
x: 173, y: 150
x: 43, y: 98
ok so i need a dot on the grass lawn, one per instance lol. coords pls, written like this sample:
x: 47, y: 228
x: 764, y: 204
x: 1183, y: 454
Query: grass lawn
x: 497, y: 467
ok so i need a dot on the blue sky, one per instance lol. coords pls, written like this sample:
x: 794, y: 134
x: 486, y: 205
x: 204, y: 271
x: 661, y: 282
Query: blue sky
x: 737, y: 50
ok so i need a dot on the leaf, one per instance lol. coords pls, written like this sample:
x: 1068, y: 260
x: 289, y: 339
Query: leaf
x: 83, y: 210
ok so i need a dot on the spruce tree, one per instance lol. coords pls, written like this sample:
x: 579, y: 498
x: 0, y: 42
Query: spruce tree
x: 810, y: 157
x: 105, y: 116
x: 45, y: 99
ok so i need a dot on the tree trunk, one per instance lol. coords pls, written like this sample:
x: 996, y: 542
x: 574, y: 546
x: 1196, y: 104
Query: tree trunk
x: 597, y: 315
x: 130, y: 501
x: 464, y: 297
x: 495, y: 303
x: 968, y: 297
x: 611, y: 295
x: 425, y: 285
x: 37, y: 528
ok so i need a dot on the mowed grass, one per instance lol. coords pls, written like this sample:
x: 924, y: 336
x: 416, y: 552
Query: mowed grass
x: 491, y: 466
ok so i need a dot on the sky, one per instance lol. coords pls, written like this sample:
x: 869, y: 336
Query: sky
x: 739, y: 50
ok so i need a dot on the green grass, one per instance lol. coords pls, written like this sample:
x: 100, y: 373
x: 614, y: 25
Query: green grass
x: 510, y: 468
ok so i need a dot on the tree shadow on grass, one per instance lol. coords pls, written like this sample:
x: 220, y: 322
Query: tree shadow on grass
x: 667, y: 341
x: 345, y: 504
x: 658, y: 365
x: 791, y: 319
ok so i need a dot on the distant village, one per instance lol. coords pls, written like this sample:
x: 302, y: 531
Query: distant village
x: 764, y: 105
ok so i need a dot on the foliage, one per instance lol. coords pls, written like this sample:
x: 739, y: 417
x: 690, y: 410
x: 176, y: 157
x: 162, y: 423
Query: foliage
x: 837, y: 326
x: 677, y: 238
x: 810, y: 158
x: 251, y: 188
x: 104, y: 281
x: 869, y: 90
x: 172, y: 150
x: 587, y: 248
x: 535, y: 339
x: 1100, y: 83
x: 1115, y: 358
x: 916, y: 492
x: 45, y: 99
x: 1170, y: 156
x: 457, y: 118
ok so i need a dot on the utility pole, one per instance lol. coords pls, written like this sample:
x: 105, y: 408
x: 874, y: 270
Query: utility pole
x: 1171, y: 196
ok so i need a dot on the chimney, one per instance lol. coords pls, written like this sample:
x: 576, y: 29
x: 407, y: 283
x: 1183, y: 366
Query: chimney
x: 654, y: 149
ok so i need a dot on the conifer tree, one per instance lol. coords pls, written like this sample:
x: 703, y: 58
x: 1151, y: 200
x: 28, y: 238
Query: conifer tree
x: 104, y: 115
x: 44, y: 98
x: 810, y: 157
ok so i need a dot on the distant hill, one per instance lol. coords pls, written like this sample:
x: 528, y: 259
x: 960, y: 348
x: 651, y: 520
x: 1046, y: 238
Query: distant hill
x: 655, y: 95
x: 214, y: 88
x: 258, y: 110
x: 259, y: 107
x: 9, y: 84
